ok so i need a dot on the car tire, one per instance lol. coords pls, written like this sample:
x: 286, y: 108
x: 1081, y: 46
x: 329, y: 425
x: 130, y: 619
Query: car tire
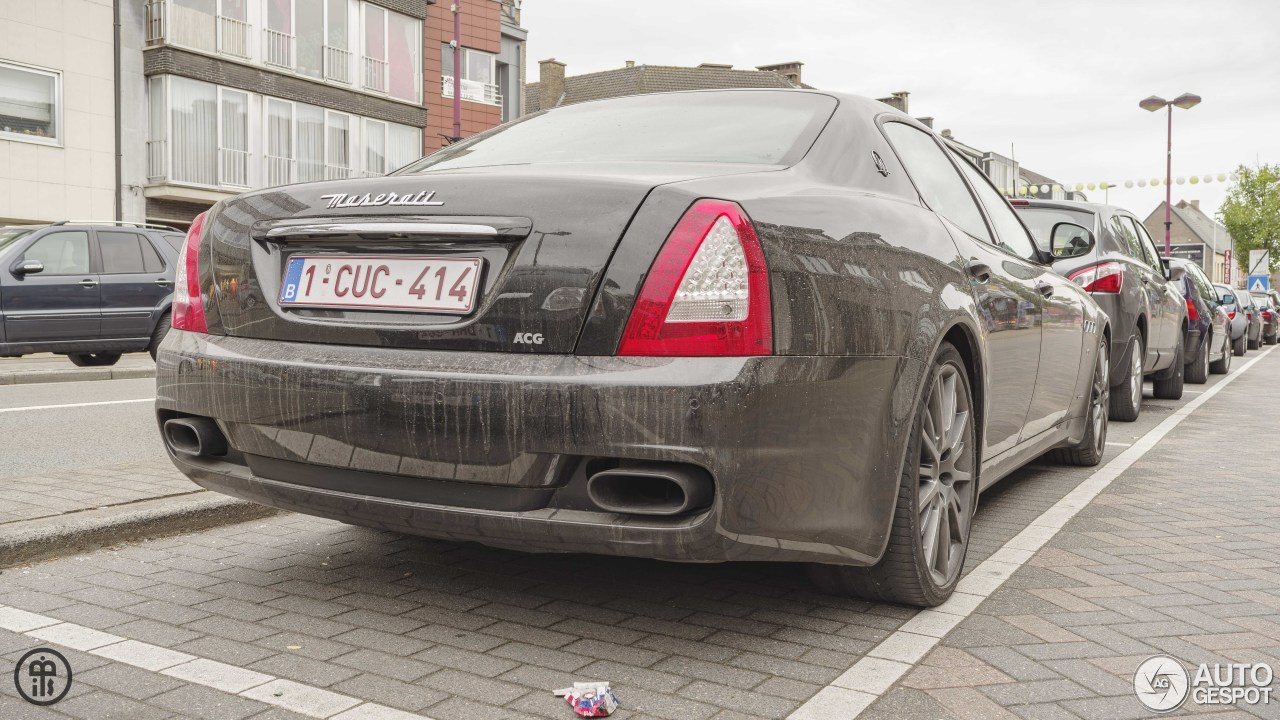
x: 1238, y: 346
x: 1273, y: 338
x: 1197, y: 371
x: 1093, y: 445
x: 93, y: 359
x: 1255, y: 344
x: 1223, y: 366
x: 1126, y: 402
x: 158, y: 335
x: 1170, y: 388
x: 933, y: 501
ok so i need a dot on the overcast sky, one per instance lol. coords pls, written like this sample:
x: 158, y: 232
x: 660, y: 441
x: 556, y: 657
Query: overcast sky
x: 1060, y: 82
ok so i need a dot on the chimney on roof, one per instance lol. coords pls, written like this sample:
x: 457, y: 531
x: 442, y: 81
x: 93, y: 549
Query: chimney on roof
x: 788, y: 70
x: 896, y: 100
x: 716, y: 66
x: 550, y: 83
x: 631, y: 63
x: 1195, y: 204
x: 926, y: 121
x: 946, y: 133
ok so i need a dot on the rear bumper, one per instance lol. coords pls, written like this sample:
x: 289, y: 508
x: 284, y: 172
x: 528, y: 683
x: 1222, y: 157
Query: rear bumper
x: 493, y: 447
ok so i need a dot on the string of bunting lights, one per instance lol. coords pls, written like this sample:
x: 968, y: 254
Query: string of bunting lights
x: 1154, y: 182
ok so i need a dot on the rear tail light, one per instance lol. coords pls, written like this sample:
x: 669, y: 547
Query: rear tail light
x: 707, y: 293
x: 188, y: 305
x: 1266, y: 314
x: 1107, y: 277
x: 1192, y: 314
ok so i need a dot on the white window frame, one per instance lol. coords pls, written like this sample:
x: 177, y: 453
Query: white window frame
x: 57, y: 139
x: 223, y: 91
x: 462, y: 76
x: 264, y: 15
x: 267, y: 157
x: 364, y: 48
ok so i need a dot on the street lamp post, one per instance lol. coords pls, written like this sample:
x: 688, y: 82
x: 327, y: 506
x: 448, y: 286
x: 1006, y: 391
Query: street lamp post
x: 1186, y: 101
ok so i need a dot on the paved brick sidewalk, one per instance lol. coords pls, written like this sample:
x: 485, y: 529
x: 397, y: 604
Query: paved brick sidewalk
x: 1179, y: 556
x: 40, y: 496
x: 45, y: 367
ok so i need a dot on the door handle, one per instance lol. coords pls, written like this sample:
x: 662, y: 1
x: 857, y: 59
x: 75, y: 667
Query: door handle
x: 979, y: 271
x: 163, y: 282
x: 88, y: 283
x: 1045, y: 288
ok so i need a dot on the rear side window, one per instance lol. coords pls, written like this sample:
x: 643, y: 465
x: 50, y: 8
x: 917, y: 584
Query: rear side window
x: 127, y: 252
x: 175, y: 240
x: 936, y: 179
x: 768, y: 128
x: 1130, y: 244
x: 63, y: 253
x: 1012, y: 234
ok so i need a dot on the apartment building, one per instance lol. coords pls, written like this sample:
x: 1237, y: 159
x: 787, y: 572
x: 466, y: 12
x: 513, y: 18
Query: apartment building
x: 245, y: 94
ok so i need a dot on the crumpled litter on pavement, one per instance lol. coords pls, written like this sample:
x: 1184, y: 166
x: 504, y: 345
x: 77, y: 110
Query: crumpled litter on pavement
x: 590, y: 699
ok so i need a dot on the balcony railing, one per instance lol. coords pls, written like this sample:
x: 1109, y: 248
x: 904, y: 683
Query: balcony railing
x: 277, y: 48
x: 473, y: 91
x: 279, y: 170
x: 233, y: 167
x: 157, y: 159
x: 375, y: 74
x: 155, y: 31
x: 336, y: 172
x: 233, y: 37
x: 337, y: 64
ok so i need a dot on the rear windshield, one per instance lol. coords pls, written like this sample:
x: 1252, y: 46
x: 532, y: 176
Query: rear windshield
x: 764, y: 128
x: 1040, y: 221
x: 1262, y: 300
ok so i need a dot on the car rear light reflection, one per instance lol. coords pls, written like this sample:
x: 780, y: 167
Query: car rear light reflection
x: 188, y: 305
x: 1192, y: 314
x: 707, y: 293
x: 1107, y: 277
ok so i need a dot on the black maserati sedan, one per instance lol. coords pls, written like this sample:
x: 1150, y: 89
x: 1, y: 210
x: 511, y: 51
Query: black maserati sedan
x: 706, y: 326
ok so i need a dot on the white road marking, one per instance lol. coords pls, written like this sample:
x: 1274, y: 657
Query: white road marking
x: 292, y: 696
x: 873, y: 675
x: 75, y: 405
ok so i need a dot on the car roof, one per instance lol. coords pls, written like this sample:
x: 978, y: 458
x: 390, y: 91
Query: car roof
x: 1079, y: 205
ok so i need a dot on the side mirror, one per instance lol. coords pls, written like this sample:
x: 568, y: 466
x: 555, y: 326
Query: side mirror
x: 1069, y: 240
x: 28, y: 267
x: 1172, y: 272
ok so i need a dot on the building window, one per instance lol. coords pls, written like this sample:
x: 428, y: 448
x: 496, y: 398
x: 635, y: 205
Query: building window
x: 310, y: 42
x: 278, y: 37
x: 337, y: 164
x: 310, y: 143
x: 404, y: 145
x: 337, y: 44
x: 206, y: 139
x: 479, y: 75
x: 30, y: 104
x: 392, y: 59
x: 279, y: 155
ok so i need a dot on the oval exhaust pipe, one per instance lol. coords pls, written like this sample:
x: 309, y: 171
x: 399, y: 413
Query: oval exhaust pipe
x: 651, y: 489
x: 195, y: 436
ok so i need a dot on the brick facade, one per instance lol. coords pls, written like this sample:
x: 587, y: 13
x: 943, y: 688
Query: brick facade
x: 481, y: 30
x: 168, y: 60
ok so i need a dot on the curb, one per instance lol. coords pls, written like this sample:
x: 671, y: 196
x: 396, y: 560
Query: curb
x: 23, y: 377
x: 70, y: 533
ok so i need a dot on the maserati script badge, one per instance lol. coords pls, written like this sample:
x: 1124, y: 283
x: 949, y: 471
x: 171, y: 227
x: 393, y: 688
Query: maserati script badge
x: 343, y: 200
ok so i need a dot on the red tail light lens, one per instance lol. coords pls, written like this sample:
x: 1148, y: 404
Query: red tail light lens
x: 1266, y: 314
x: 707, y: 294
x: 1192, y: 314
x: 1107, y: 277
x: 1231, y: 315
x: 188, y: 305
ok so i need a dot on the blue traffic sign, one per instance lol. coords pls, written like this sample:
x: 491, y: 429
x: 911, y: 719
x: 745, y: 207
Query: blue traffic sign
x: 1259, y: 283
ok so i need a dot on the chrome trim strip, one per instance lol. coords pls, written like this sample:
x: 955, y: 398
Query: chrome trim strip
x: 384, y: 228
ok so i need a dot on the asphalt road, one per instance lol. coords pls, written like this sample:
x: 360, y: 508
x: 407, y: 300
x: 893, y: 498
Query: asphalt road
x: 75, y: 434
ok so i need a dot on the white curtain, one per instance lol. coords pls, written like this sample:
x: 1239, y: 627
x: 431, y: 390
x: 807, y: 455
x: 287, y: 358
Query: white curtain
x: 310, y: 135
x: 194, y: 144
x: 404, y: 146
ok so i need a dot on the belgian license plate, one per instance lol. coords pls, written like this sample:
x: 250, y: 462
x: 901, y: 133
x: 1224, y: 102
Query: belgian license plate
x: 420, y: 284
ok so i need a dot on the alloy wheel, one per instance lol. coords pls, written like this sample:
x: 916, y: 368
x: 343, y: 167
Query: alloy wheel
x: 946, y: 490
x: 1135, y: 373
x: 1101, y: 398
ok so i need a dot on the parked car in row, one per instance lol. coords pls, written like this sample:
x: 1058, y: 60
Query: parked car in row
x: 1246, y: 322
x: 90, y: 291
x: 1207, y: 340
x: 1129, y: 280
x: 704, y: 326
x: 1269, y: 311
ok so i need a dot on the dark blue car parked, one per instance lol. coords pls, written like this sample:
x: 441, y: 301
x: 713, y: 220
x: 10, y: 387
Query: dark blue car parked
x: 1207, y: 337
x: 90, y: 291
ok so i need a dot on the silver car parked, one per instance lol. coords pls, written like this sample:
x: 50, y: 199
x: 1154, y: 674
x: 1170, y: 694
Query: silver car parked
x: 1246, y: 320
